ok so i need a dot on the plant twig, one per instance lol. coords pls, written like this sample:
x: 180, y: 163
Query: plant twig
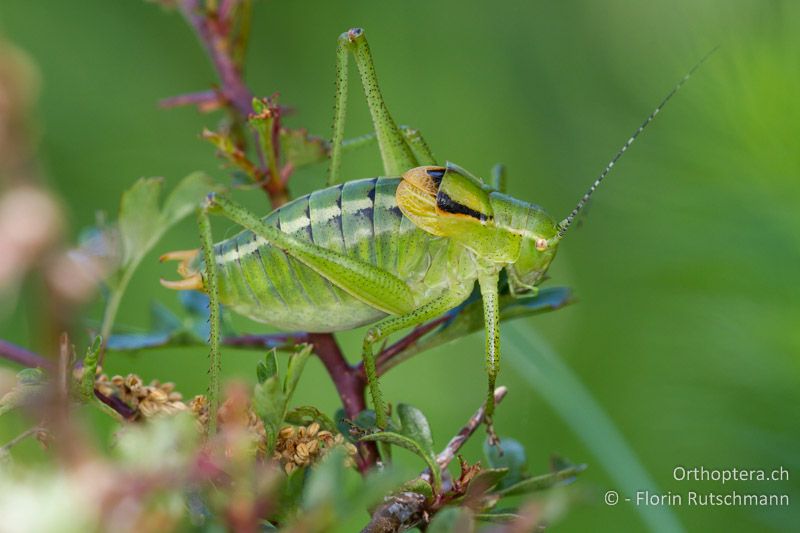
x: 19, y: 438
x: 217, y: 46
x: 455, y: 444
x: 20, y: 355
x: 405, y: 510
x: 24, y: 357
x: 213, y: 31
x: 205, y: 100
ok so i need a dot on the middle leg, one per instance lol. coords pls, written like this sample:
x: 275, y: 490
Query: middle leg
x: 392, y: 324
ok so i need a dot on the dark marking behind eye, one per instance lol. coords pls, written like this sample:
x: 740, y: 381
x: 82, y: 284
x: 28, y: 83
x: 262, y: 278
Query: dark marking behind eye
x: 448, y: 205
x: 437, y: 174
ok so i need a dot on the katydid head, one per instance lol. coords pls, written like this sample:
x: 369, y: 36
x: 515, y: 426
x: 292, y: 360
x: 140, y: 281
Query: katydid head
x: 450, y: 202
x: 537, y: 250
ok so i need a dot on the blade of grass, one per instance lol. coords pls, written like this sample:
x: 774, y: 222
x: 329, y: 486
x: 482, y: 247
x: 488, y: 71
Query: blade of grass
x: 558, y: 385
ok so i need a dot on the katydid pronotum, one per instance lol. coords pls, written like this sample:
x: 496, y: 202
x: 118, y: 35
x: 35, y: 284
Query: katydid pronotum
x: 393, y: 251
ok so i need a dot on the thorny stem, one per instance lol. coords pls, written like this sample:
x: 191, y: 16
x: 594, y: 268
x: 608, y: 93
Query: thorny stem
x: 217, y: 46
x: 213, y: 31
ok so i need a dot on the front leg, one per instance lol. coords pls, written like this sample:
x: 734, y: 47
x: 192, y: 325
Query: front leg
x: 488, y: 280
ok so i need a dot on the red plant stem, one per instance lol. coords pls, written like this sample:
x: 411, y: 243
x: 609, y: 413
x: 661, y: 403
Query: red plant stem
x: 275, y: 340
x: 123, y: 409
x: 216, y: 45
x: 348, y: 383
x: 201, y: 99
x: 211, y: 32
x: 24, y: 357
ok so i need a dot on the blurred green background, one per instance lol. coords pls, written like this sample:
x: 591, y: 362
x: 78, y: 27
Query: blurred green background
x: 686, y: 330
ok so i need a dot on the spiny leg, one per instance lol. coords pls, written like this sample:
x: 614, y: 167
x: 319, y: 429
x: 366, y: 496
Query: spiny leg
x: 392, y: 324
x: 413, y: 136
x: 396, y: 153
x: 418, y: 144
x: 211, y: 288
x: 339, y: 113
x: 491, y: 314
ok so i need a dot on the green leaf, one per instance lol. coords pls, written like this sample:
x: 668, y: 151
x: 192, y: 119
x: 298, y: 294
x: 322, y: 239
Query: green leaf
x: 186, y: 197
x: 292, y: 492
x: 545, y: 481
x: 139, y: 217
x: 31, y: 376
x: 301, y: 149
x: 305, y: 414
x: 410, y: 444
x: 268, y: 367
x: 297, y: 361
x: 165, y: 329
x: 468, y: 317
x: 513, y: 459
x: 86, y: 388
x: 142, y: 223
x: 227, y: 148
x: 326, y: 480
x: 452, y: 520
x: 414, y: 425
x: 269, y: 403
x: 418, y: 485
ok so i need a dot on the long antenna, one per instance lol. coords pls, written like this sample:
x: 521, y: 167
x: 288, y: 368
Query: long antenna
x: 567, y: 222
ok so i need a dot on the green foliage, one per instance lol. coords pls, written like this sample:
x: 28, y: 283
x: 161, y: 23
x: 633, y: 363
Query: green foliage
x: 509, y: 456
x: 301, y: 149
x: 168, y: 328
x: 413, y: 446
x: 545, y: 481
x: 272, y: 396
x: 86, y: 387
x: 142, y: 222
x: 452, y: 520
x: 414, y: 425
x: 143, y: 219
x: 268, y: 367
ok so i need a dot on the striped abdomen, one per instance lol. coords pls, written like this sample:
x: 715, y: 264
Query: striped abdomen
x: 358, y: 218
